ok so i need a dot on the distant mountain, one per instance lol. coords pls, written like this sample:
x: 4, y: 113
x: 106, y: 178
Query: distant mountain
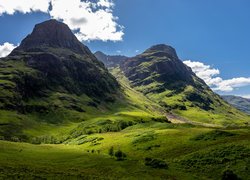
x: 108, y: 60
x: 240, y: 103
x: 164, y: 78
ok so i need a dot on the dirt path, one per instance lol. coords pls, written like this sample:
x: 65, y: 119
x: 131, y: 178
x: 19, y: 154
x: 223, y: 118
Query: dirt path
x: 180, y: 120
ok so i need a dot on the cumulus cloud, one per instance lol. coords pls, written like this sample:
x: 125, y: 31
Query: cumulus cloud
x: 23, y: 6
x: 89, y: 19
x: 6, y: 48
x: 205, y: 72
x: 211, y: 77
x: 246, y: 96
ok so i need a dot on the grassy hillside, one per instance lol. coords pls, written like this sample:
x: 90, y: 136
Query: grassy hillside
x: 60, y: 116
x: 220, y: 113
x: 64, y: 116
x: 162, y: 77
x: 152, y: 150
x: 53, y: 88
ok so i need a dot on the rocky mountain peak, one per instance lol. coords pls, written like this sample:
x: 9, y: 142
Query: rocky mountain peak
x: 52, y: 33
x: 163, y: 48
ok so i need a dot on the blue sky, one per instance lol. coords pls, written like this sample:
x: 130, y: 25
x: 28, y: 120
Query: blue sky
x: 213, y: 33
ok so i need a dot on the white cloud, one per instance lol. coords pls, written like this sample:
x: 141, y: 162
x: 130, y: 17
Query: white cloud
x: 246, y: 96
x: 231, y: 84
x: 6, y: 48
x: 137, y: 50
x: 210, y: 76
x: 23, y: 6
x: 205, y: 72
x: 90, y: 20
x: 119, y: 51
x: 105, y: 3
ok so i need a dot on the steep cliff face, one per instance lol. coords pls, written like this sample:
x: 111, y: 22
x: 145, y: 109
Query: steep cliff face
x: 110, y: 61
x: 51, y: 60
x: 54, y: 34
x: 164, y: 78
x: 161, y: 64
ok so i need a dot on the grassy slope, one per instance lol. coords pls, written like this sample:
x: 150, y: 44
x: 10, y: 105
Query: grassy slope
x: 189, y: 98
x: 190, y: 152
x: 196, y: 153
x: 65, y: 122
x: 223, y: 114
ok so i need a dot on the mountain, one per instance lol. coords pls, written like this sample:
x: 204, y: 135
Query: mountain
x: 160, y: 64
x: 53, y: 82
x: 240, y: 103
x: 63, y: 115
x: 51, y: 34
x: 108, y: 60
x: 164, y: 78
x: 50, y: 60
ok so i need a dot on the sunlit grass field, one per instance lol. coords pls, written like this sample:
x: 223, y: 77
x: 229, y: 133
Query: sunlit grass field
x: 189, y: 152
x: 84, y: 145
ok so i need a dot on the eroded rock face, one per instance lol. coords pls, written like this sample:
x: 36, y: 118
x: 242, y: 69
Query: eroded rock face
x: 110, y: 61
x: 158, y: 63
x: 52, y: 33
x: 52, y: 60
x: 163, y: 49
x: 159, y: 70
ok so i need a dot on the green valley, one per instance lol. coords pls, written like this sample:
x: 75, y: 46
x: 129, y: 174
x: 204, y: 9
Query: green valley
x: 64, y: 115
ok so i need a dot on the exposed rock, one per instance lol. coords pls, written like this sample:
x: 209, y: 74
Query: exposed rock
x: 108, y: 60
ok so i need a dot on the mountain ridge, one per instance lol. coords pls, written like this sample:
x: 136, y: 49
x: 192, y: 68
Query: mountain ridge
x: 110, y: 61
x: 52, y: 83
x: 238, y: 102
x: 164, y: 78
x: 64, y: 115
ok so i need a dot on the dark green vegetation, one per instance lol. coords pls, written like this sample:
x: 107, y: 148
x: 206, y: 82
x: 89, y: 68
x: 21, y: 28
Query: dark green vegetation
x: 240, y: 103
x: 160, y: 75
x: 51, y: 80
x: 63, y: 115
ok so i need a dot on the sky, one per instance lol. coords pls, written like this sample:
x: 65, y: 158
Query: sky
x: 212, y: 37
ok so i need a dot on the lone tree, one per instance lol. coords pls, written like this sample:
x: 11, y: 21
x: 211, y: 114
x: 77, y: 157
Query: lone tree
x: 120, y: 155
x: 229, y: 175
x: 111, y: 151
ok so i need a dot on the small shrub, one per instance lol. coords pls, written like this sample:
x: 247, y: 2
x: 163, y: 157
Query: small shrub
x: 15, y: 139
x: 146, y: 137
x: 35, y: 140
x: 2, y: 138
x: 120, y: 155
x: 156, y: 163
x: 162, y: 119
x: 212, y: 135
x: 100, y: 138
x: 229, y: 175
x: 111, y: 151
